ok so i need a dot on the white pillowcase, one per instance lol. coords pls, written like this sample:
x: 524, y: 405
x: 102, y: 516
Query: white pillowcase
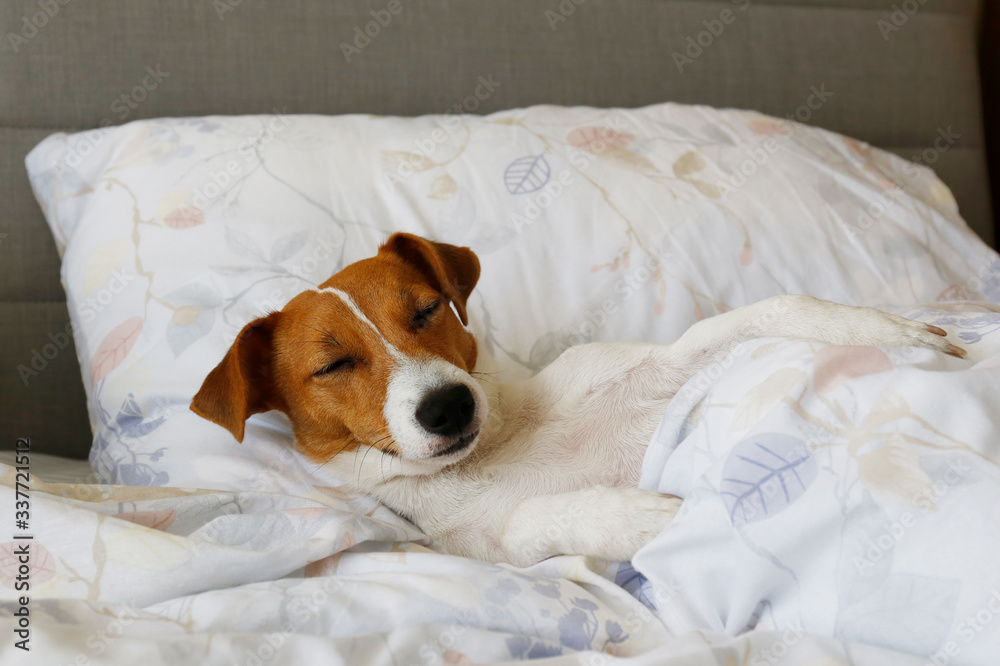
x: 590, y: 224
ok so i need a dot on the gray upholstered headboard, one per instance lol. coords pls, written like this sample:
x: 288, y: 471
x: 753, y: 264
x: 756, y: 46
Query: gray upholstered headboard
x: 897, y: 80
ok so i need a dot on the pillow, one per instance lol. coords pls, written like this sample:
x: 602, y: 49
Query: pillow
x: 591, y: 224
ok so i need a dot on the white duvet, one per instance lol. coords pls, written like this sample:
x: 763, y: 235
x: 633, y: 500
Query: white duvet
x: 842, y: 506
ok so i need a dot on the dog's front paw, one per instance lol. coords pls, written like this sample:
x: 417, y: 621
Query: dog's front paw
x: 807, y: 317
x: 640, y: 515
x: 611, y: 523
x: 893, y: 330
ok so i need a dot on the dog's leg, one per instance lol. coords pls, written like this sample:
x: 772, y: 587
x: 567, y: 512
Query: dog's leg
x: 609, y: 523
x: 582, y: 369
x: 794, y: 316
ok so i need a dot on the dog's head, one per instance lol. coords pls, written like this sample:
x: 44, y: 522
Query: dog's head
x: 374, y: 357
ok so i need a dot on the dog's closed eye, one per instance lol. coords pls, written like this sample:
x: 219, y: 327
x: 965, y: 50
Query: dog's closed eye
x: 423, y: 316
x: 340, y: 365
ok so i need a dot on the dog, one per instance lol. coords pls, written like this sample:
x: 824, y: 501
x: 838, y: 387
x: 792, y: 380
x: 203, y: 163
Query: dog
x: 378, y: 359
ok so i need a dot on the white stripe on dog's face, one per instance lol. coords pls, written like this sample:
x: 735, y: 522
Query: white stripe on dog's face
x: 410, y: 380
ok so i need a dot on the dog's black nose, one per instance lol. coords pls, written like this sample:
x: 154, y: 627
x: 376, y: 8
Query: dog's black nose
x: 447, y: 411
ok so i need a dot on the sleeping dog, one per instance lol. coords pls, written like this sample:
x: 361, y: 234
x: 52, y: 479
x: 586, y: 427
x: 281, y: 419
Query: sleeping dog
x: 377, y: 360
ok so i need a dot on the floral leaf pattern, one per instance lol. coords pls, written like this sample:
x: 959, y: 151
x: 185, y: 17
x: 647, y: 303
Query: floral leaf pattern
x: 102, y: 263
x: 399, y: 158
x: 688, y: 163
x: 443, y: 187
x: 288, y: 246
x: 764, y: 475
x: 184, y: 217
x: 39, y: 559
x: 597, y: 139
x: 527, y: 174
x: 193, y: 316
x: 241, y: 243
x: 114, y: 348
x: 836, y: 365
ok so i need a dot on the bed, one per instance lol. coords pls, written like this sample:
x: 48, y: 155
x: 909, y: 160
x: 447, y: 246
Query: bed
x: 230, y: 563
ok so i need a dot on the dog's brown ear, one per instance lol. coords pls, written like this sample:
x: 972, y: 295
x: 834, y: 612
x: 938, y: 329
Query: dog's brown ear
x: 243, y: 383
x: 450, y: 269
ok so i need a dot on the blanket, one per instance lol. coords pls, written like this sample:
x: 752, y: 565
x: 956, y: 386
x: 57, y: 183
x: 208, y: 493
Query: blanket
x: 842, y: 506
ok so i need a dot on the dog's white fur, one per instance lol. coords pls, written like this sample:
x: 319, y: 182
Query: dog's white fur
x: 554, y: 468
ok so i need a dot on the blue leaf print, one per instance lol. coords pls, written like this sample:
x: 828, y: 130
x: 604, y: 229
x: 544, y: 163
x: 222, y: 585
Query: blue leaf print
x: 764, y: 474
x: 615, y: 632
x: 527, y: 174
x: 984, y: 324
x: 991, y: 282
x: 503, y: 591
x: 635, y: 584
x: 130, y: 419
x: 518, y: 645
x: 574, y: 630
x: 194, y: 315
x: 541, y: 650
x: 141, y: 475
x: 550, y: 590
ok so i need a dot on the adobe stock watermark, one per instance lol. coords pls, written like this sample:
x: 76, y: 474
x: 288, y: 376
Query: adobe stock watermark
x: 986, y: 272
x: 434, y: 651
x: 84, y: 143
x: 586, y: 329
x: 88, y: 309
x: 30, y: 25
x: 563, y: 11
x: 776, y: 651
x: 926, y: 500
x: 100, y: 640
x: 887, y: 199
x: 783, y: 129
x: 324, y: 251
x: 581, y: 159
x: 39, y: 358
x: 408, y: 163
x: 363, y: 38
x: 695, y: 45
x: 770, y: 311
x: 299, y: 611
x: 899, y: 16
x: 968, y: 629
x: 223, y: 7
x: 249, y: 152
x: 131, y: 99
x: 659, y: 594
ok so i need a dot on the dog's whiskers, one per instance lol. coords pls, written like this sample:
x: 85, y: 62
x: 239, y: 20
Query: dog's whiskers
x: 344, y: 447
x: 486, y: 375
x: 378, y: 441
x: 362, y: 466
